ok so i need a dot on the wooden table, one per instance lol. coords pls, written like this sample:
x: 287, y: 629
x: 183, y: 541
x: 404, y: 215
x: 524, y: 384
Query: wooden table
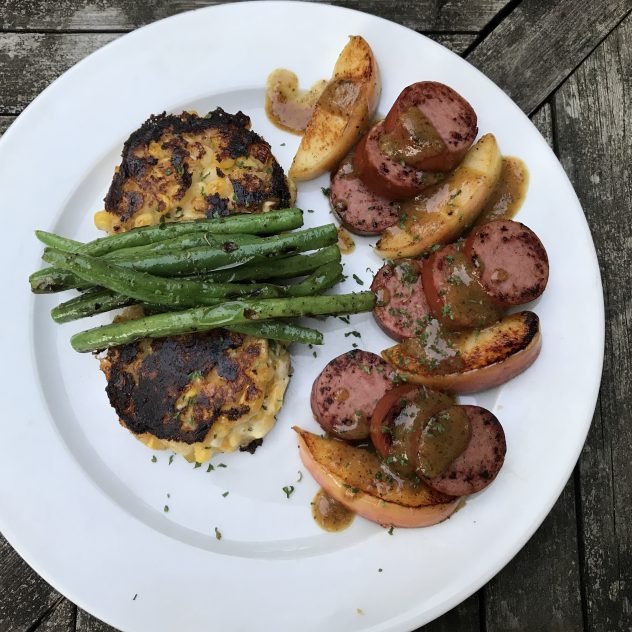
x: 568, y: 65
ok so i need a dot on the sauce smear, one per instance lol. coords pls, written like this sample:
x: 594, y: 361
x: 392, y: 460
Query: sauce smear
x: 329, y: 514
x: 287, y: 106
x: 509, y: 193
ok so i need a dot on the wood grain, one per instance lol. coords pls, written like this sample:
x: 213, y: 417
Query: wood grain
x: 464, y: 618
x: 61, y: 619
x: 87, y: 623
x: 22, y: 80
x: 539, y: 44
x: 592, y: 111
x: 25, y: 597
x: 5, y: 121
x: 125, y: 15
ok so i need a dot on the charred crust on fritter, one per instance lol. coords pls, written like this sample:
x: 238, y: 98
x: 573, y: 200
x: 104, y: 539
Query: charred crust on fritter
x: 252, y: 446
x: 238, y: 140
x: 217, y: 206
x: 145, y: 398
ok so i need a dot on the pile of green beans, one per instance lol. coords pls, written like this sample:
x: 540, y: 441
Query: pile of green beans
x: 200, y: 275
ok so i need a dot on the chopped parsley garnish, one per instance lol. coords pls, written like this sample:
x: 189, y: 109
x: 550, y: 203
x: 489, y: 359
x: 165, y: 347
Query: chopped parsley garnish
x: 195, y: 375
x: 326, y: 191
x: 225, y: 494
x: 197, y: 464
x: 300, y: 476
x: 210, y: 467
x: 446, y: 310
x: 358, y: 280
x: 154, y: 459
x: 134, y: 597
x: 289, y: 490
x: 354, y: 333
x: 218, y: 534
x: 390, y: 531
x: 221, y: 465
x: 171, y: 459
x: 166, y: 509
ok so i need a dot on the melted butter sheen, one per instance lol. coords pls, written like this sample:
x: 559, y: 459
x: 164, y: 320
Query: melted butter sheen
x: 329, y: 514
x: 345, y: 241
x: 444, y: 437
x: 287, y: 106
x: 510, y: 192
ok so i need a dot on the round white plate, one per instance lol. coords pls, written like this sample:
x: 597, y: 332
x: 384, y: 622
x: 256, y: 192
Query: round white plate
x: 83, y: 502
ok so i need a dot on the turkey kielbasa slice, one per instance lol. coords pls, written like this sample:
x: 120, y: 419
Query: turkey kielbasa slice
x: 385, y: 177
x: 430, y: 127
x: 478, y: 465
x: 346, y: 392
x: 510, y: 261
x: 401, y: 308
x: 360, y: 210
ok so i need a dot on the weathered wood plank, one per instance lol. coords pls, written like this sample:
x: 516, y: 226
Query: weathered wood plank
x: 25, y: 597
x: 61, y: 619
x: 123, y: 15
x: 456, y: 42
x: 5, y: 121
x: 545, y: 572
x: 87, y: 623
x: 592, y: 112
x: 532, y: 51
x: 22, y: 79
x: 464, y: 618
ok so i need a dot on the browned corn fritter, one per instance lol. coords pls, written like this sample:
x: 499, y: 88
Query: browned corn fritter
x: 200, y: 393
x: 185, y: 167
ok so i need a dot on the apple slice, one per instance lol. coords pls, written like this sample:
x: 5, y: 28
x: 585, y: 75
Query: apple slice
x: 441, y: 214
x: 342, y: 113
x: 471, y: 361
x: 357, y: 479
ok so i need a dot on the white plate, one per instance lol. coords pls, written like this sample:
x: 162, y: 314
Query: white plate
x: 81, y: 500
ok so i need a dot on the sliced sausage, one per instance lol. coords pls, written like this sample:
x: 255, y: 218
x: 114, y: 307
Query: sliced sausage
x: 455, y: 295
x: 510, y: 261
x: 401, y: 309
x: 481, y: 461
x: 451, y: 119
x: 346, y: 392
x: 359, y: 210
x: 385, y: 177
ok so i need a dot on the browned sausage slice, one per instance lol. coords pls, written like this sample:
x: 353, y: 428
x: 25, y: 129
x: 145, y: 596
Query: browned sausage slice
x: 385, y: 177
x: 401, y: 309
x: 434, y: 125
x: 358, y: 209
x: 346, y: 392
x: 510, y: 260
x: 455, y: 295
x: 481, y: 461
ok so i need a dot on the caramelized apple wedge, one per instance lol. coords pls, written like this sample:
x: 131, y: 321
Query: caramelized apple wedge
x: 342, y: 113
x: 357, y: 479
x: 443, y: 212
x: 471, y: 361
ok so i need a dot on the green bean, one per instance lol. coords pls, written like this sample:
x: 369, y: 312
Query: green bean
x: 152, y: 289
x: 320, y: 280
x: 99, y: 300
x: 49, y: 280
x: 230, y: 313
x: 257, y: 224
x: 200, y: 260
x: 184, y: 242
x: 291, y: 267
x: 278, y: 330
x: 94, y: 301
